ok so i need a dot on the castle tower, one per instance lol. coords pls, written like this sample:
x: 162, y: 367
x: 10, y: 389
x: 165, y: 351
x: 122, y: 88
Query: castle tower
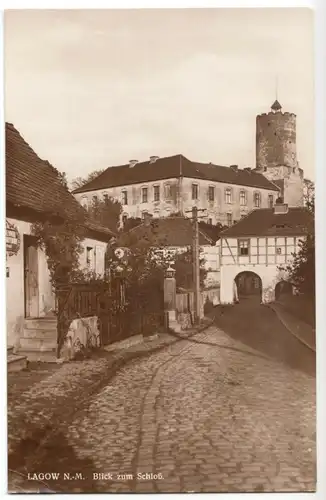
x: 276, y: 153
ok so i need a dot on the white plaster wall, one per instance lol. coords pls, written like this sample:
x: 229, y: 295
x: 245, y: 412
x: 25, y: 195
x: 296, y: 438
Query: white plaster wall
x: 263, y: 261
x: 97, y: 256
x: 135, y: 207
x: 270, y: 276
x: 15, y: 286
x: 216, y: 210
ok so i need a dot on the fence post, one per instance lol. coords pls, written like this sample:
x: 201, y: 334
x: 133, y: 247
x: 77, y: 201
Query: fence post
x: 170, y: 297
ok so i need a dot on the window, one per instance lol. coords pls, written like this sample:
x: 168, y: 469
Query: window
x: 257, y: 200
x: 229, y: 219
x: 156, y: 193
x: 195, y: 191
x: 211, y: 193
x: 270, y: 201
x: 168, y: 191
x: 228, y: 195
x: 124, y: 197
x: 144, y: 195
x: 88, y: 256
x: 243, y: 198
x: 243, y: 247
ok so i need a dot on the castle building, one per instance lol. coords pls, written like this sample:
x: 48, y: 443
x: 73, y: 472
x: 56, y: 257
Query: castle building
x: 162, y: 186
x: 276, y: 153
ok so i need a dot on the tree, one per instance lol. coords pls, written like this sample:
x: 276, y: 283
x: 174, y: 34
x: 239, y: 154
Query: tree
x: 106, y: 212
x: 183, y: 265
x: 308, y: 192
x: 130, y: 223
x: 301, y: 271
x: 81, y: 181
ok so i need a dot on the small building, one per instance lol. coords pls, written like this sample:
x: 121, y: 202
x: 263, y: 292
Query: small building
x: 172, y: 236
x: 253, y: 250
x: 35, y: 193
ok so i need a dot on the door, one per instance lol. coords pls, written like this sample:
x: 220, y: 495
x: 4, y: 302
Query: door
x: 31, y: 277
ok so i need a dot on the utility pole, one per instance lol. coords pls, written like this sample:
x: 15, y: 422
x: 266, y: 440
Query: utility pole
x: 196, y: 266
x: 196, y: 263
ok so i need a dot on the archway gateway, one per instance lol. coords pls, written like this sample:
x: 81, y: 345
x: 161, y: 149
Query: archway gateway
x: 249, y: 284
x: 283, y: 288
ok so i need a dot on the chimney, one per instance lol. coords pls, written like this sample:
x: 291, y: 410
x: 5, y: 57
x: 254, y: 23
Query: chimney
x: 132, y: 163
x: 234, y: 167
x: 152, y: 159
x: 280, y: 207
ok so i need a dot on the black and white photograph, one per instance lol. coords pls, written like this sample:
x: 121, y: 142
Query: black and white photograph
x: 160, y: 250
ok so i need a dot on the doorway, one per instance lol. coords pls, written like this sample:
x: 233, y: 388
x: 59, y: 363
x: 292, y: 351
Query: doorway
x: 31, y: 277
x: 249, y: 285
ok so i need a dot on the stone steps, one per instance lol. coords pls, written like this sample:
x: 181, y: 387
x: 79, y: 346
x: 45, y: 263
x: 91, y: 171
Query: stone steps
x: 45, y: 356
x: 39, y: 341
x: 15, y: 362
x: 44, y: 324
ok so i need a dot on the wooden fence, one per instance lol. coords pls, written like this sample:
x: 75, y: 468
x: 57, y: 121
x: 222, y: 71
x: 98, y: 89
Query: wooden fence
x: 185, y: 302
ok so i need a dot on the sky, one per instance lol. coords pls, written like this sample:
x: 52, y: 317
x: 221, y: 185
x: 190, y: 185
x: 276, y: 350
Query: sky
x: 89, y: 89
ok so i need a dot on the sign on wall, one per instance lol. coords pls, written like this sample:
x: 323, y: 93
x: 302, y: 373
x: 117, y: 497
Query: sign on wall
x: 12, y: 239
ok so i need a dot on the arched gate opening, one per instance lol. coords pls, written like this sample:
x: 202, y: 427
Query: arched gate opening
x: 283, y: 288
x: 249, y: 285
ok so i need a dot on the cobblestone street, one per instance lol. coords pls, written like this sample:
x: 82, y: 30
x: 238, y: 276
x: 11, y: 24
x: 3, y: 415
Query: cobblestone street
x: 209, y: 413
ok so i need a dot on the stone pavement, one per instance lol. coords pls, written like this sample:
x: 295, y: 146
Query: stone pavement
x: 207, y: 414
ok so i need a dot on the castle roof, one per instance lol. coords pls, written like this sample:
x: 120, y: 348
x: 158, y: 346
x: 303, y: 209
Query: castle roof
x: 297, y: 221
x: 276, y: 106
x: 174, y: 167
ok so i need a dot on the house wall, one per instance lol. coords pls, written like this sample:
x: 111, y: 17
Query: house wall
x: 96, y: 254
x: 15, y: 292
x: 265, y: 257
x: 218, y: 209
x: 167, y: 204
x: 15, y: 286
x: 180, y: 199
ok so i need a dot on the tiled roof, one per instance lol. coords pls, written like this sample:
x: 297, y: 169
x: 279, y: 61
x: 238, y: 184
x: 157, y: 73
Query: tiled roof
x: 171, y: 167
x: 168, y: 232
x: 264, y: 222
x: 33, y: 183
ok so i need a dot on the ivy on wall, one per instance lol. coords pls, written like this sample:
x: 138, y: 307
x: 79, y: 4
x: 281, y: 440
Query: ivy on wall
x: 62, y: 244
